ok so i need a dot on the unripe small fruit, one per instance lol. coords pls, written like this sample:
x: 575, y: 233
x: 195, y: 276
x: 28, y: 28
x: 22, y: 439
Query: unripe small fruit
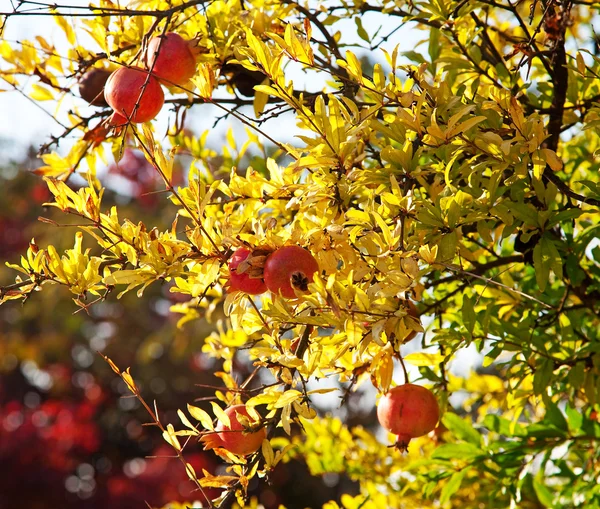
x: 408, y: 411
x: 233, y: 437
x: 290, y: 269
x: 241, y: 280
x: 91, y: 86
x: 243, y: 79
x: 172, y: 60
x: 122, y: 93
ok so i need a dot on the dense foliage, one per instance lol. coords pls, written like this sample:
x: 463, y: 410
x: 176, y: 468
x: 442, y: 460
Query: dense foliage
x: 460, y: 176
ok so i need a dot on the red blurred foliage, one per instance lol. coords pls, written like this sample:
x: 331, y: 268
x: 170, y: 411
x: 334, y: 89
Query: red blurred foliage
x: 161, y: 478
x: 145, y: 181
x: 12, y: 238
x: 44, y: 447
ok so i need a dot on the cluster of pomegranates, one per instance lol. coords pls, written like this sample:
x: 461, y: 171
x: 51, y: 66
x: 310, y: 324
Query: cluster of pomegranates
x: 285, y: 272
x: 135, y: 94
x: 409, y: 411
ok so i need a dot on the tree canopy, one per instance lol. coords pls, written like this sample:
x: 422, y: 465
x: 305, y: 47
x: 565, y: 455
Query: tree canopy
x: 448, y: 192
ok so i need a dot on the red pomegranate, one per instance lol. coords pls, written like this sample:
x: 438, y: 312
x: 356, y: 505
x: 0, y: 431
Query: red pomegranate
x: 171, y: 59
x: 290, y: 269
x: 241, y: 280
x: 234, y: 439
x: 125, y: 93
x: 408, y: 411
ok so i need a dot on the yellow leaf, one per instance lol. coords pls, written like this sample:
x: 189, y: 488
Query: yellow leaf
x: 287, y: 397
x: 124, y: 277
x: 112, y: 365
x: 40, y: 93
x: 190, y: 472
x: 268, y: 454
x: 220, y: 414
x: 552, y: 159
x: 186, y: 422
x: 201, y: 416
x: 285, y: 419
x: 428, y: 254
x: 424, y: 359
x: 260, y: 101
x: 171, y: 438
x: 128, y: 379
x: 66, y: 27
x: 220, y: 481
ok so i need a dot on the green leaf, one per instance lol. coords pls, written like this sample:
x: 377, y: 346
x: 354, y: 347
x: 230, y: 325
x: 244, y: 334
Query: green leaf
x: 589, y: 387
x: 461, y: 428
x: 463, y: 451
x: 564, y: 215
x: 594, y: 187
x: 542, y: 267
x: 525, y: 212
x: 452, y: 486
x: 574, y: 418
x: 504, y: 426
x: 543, y: 374
x: 434, y: 47
x: 555, y: 417
x: 556, y: 264
x: 544, y: 495
x: 468, y: 314
x: 574, y: 271
x: 362, y: 33
x: 447, y: 247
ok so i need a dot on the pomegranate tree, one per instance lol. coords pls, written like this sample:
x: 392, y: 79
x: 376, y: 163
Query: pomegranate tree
x: 171, y: 59
x: 131, y: 93
x: 408, y: 411
x: 235, y: 438
x: 289, y: 270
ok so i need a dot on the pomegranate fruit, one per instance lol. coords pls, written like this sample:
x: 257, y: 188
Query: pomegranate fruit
x: 290, y: 269
x: 122, y: 93
x: 244, y: 80
x: 172, y: 61
x: 408, y: 411
x: 234, y: 439
x: 91, y: 86
x: 240, y: 279
x: 117, y: 120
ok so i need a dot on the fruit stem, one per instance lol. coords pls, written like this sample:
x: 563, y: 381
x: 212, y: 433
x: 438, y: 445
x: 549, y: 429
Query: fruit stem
x: 403, y: 367
x: 402, y: 443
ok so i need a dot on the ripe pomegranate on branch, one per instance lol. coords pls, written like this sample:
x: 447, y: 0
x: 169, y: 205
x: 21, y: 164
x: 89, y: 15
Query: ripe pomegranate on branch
x: 172, y: 59
x: 284, y: 271
x: 237, y: 437
x: 134, y: 95
x: 409, y: 411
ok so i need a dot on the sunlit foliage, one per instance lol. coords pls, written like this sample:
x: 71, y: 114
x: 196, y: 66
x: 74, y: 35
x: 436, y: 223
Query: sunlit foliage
x: 461, y: 175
